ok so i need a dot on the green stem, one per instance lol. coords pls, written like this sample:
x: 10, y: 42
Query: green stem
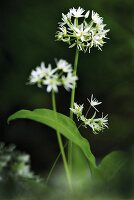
x: 75, y: 73
x: 80, y: 125
x: 53, y: 166
x: 71, y: 106
x: 87, y: 111
x: 61, y: 144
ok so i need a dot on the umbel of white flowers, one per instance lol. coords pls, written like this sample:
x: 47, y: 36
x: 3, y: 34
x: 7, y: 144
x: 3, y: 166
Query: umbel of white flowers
x: 62, y: 75
x: 96, y: 124
x: 84, y: 30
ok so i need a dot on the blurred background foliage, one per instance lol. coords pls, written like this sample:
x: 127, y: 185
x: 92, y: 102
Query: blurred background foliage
x: 27, y: 37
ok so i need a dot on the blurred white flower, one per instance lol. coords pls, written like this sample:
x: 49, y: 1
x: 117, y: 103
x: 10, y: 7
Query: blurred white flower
x: 35, y: 77
x: 64, y: 66
x: 24, y: 158
x: 94, y: 102
x: 52, y: 83
x: 69, y: 81
x: 82, y: 30
x: 61, y: 75
x: 39, y: 73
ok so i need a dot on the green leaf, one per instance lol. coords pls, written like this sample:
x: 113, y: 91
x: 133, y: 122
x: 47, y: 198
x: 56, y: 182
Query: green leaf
x: 63, y: 124
x: 80, y: 167
x: 112, y: 164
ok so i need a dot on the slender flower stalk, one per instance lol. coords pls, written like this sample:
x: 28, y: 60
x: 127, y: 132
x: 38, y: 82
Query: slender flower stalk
x: 54, y: 164
x: 71, y: 106
x: 74, y: 86
x: 61, y: 144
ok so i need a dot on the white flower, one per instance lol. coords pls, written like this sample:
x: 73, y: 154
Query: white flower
x: 61, y: 75
x: 96, y: 127
x: 82, y: 30
x: 52, y: 83
x: 69, y: 81
x: 103, y: 121
x: 48, y: 71
x: 44, y: 71
x: 87, y: 14
x: 96, y: 124
x: 76, y: 12
x: 94, y: 102
x: 84, y: 120
x: 64, y: 66
x: 99, y: 124
x: 77, y: 110
x: 81, y: 33
x: 39, y: 73
x: 96, y: 18
x: 35, y: 78
x: 97, y: 41
x: 64, y: 19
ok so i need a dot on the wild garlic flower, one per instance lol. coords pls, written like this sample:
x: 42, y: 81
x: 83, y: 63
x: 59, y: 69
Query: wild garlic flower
x: 52, y: 83
x: 77, y: 110
x: 94, y: 102
x: 96, y: 124
x: 82, y: 30
x: 39, y: 73
x: 96, y: 18
x: 99, y: 124
x: 61, y: 75
x: 69, y: 81
x: 76, y: 12
x: 64, y: 66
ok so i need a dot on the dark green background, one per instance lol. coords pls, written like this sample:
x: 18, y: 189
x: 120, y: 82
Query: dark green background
x: 27, y: 37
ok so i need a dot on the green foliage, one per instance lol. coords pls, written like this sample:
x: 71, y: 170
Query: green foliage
x: 111, y: 165
x: 63, y: 124
x: 112, y: 168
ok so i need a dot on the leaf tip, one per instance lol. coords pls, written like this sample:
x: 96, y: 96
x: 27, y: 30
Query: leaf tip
x: 8, y: 120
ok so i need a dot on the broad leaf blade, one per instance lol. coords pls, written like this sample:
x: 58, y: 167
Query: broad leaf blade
x: 112, y: 164
x: 59, y: 122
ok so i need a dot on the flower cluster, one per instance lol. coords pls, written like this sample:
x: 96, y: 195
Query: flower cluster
x: 96, y: 124
x: 82, y: 30
x: 14, y: 164
x: 52, y: 78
